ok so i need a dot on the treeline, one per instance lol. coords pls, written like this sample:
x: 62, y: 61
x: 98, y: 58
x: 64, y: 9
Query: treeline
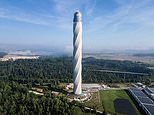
x: 47, y: 69
x: 125, y: 66
x: 15, y: 99
x: 91, y: 64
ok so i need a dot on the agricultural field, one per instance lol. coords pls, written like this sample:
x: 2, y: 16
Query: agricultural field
x: 114, y: 100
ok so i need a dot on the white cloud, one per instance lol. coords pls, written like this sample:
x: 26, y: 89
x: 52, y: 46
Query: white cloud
x: 16, y: 14
x: 130, y: 12
x: 137, y: 14
x: 90, y: 7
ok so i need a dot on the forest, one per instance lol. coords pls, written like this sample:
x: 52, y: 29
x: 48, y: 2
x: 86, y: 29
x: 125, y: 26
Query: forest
x: 15, y: 99
x: 18, y: 77
x: 59, y: 69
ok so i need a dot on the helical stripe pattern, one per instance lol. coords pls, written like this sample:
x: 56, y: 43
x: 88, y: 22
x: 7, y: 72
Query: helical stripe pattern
x: 77, y: 57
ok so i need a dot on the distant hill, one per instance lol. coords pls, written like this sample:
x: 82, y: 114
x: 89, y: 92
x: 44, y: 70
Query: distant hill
x: 2, y: 54
x: 145, y: 55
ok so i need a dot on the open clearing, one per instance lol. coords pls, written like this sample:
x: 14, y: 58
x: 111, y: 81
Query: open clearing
x: 108, y: 97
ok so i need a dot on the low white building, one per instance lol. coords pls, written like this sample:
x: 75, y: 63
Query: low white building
x: 91, y: 87
x: 139, y: 85
x: 88, y: 87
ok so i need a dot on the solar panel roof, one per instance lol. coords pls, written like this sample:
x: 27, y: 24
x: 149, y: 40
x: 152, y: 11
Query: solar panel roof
x: 140, y: 94
x: 150, y: 108
x: 135, y: 89
x: 152, y: 89
x: 145, y: 100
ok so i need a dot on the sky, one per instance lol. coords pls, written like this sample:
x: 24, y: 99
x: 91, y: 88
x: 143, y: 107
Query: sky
x: 107, y: 24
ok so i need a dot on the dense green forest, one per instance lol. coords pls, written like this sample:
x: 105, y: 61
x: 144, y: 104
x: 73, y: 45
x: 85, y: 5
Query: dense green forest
x: 60, y: 70
x: 15, y: 99
x: 17, y: 78
x: 91, y: 64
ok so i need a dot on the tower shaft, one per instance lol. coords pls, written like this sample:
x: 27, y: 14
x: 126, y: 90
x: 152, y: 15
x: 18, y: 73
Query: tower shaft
x: 77, y: 53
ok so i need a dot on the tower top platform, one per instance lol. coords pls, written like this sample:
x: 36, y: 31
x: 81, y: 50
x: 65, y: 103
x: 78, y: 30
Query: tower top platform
x: 77, y: 16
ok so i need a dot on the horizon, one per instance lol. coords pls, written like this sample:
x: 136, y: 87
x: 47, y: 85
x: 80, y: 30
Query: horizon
x: 48, y: 50
x: 107, y: 25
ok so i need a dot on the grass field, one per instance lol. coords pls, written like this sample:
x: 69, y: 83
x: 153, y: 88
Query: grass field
x: 108, y: 96
x: 95, y: 102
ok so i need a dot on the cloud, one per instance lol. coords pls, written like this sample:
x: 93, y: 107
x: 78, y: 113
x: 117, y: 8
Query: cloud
x: 63, y: 8
x: 133, y: 14
x: 90, y: 7
x: 15, y: 14
x: 59, y: 14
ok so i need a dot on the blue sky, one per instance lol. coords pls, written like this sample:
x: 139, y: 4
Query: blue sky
x: 107, y: 24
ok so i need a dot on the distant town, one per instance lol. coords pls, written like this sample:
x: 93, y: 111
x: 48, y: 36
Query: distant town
x: 16, y: 57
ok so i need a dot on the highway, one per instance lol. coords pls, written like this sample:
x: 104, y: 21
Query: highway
x: 121, y: 72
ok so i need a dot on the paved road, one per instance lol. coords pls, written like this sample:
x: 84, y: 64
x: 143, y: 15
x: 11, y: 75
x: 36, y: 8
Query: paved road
x: 122, y: 72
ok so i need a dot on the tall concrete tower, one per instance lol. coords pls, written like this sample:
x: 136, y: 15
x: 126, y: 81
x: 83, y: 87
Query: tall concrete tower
x: 77, y: 53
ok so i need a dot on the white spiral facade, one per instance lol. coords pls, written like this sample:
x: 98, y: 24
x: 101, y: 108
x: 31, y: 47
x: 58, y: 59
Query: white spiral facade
x: 77, y: 53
